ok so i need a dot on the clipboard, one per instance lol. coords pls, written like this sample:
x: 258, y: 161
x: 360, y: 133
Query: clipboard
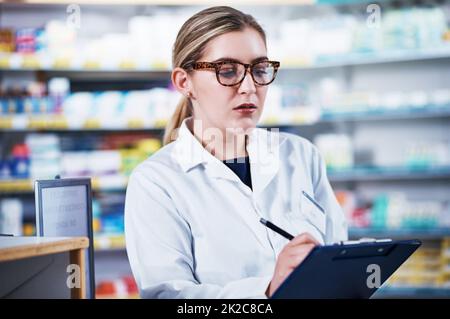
x: 353, y: 270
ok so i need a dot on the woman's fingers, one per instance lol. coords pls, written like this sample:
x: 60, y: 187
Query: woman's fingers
x: 294, y: 255
x: 303, y: 238
x: 299, y: 251
x: 291, y: 256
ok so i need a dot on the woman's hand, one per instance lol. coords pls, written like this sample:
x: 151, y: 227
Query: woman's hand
x: 289, y: 258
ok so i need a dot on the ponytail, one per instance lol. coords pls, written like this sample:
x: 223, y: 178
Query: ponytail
x: 183, y: 111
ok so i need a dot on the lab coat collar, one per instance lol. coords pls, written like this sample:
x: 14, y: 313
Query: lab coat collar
x: 262, y: 147
x: 188, y: 151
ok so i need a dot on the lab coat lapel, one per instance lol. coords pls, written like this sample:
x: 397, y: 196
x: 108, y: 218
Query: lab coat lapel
x: 263, y: 149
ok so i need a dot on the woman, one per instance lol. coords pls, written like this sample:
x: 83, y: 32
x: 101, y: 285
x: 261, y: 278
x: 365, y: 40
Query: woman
x: 193, y: 209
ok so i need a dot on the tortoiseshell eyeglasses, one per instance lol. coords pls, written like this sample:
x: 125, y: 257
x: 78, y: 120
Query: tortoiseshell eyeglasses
x: 231, y: 73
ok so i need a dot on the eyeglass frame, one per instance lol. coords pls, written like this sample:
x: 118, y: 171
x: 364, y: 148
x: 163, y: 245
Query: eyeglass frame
x: 216, y: 66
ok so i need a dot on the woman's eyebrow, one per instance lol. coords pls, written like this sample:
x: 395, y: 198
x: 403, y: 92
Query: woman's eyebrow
x: 226, y: 59
x: 261, y: 58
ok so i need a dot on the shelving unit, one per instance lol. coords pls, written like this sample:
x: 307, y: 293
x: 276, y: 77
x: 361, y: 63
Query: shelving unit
x: 421, y: 234
x: 116, y: 183
x: 32, y: 62
x: 102, y: 183
x: 383, y: 174
x: 60, y: 122
x: 382, y: 128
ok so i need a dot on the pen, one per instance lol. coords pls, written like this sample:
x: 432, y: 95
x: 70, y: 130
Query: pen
x: 313, y: 201
x: 276, y: 229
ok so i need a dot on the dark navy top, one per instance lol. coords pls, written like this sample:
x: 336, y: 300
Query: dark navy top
x: 241, y: 167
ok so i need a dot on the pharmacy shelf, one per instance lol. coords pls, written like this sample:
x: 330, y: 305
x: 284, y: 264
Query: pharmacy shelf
x: 56, y: 123
x: 41, y: 62
x: 59, y: 122
x: 118, y: 182
x: 388, y: 174
x: 109, y: 183
x: 33, y: 62
x: 411, y: 292
x: 383, y: 114
x: 378, y: 114
x: 422, y: 234
x: 394, y: 56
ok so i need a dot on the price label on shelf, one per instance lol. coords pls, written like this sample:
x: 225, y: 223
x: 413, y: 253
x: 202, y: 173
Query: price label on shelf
x: 21, y: 185
x: 159, y: 66
x: 38, y: 122
x: 109, y: 241
x: 161, y: 123
x: 30, y: 62
x: 92, y: 124
x: 299, y: 119
x: 58, y: 122
x: 271, y: 120
x: 95, y: 183
x: 4, y: 62
x: 61, y: 63
x: 298, y: 62
x: 127, y: 65
x: 135, y: 123
x: 117, y: 241
x: 5, y: 122
x: 91, y: 64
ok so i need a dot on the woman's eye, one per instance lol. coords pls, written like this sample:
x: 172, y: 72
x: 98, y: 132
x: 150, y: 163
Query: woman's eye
x: 227, y: 72
x: 260, y: 71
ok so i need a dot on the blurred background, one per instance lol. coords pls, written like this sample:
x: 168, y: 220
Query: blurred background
x: 85, y: 91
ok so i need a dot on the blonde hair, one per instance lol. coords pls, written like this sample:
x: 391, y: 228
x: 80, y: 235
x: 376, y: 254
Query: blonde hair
x: 190, y: 43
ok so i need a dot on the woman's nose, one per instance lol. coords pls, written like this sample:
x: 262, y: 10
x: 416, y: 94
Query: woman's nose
x: 247, y: 85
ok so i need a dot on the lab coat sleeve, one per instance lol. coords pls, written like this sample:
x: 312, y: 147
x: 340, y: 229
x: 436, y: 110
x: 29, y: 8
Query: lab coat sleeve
x: 158, y: 241
x: 335, y: 218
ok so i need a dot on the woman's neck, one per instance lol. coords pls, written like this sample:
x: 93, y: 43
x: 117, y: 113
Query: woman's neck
x: 223, y: 145
x: 228, y: 148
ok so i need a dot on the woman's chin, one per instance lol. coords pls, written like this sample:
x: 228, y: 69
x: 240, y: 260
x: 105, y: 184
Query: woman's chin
x: 244, y: 124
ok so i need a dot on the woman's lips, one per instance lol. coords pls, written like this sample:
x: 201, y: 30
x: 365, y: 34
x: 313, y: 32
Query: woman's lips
x: 246, y: 108
x: 246, y: 111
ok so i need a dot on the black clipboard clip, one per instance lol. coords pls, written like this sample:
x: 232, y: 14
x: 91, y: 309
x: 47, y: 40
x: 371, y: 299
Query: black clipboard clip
x: 364, y: 240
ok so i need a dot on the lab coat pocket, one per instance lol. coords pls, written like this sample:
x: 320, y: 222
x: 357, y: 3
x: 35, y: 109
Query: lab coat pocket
x: 313, y: 214
x: 306, y: 217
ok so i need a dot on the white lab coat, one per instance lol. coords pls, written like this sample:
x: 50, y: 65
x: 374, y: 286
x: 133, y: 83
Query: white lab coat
x: 192, y: 226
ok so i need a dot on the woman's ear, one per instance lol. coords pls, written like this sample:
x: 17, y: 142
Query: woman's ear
x: 181, y: 81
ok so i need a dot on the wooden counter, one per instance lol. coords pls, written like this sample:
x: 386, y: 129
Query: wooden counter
x: 26, y: 259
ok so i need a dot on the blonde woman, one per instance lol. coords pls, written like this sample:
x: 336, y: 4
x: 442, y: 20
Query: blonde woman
x: 193, y: 209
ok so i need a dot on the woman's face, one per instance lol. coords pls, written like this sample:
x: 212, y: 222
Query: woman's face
x: 216, y: 105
